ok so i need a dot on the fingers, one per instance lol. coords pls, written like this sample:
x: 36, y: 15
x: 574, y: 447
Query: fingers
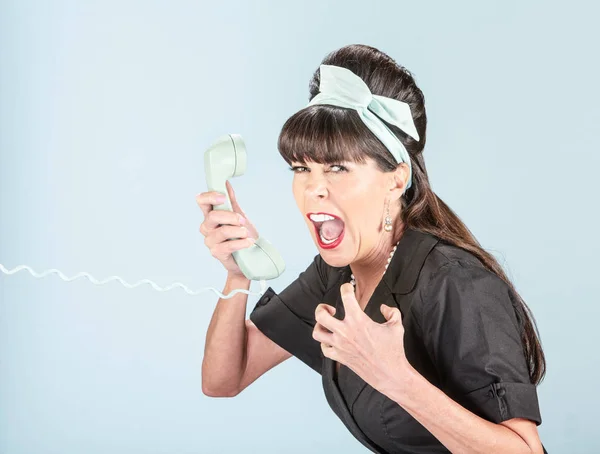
x: 221, y: 226
x: 224, y: 230
x: 223, y: 233
x: 206, y: 200
x: 216, y: 218
x: 351, y: 306
x: 223, y: 250
x: 231, y: 192
x: 234, y: 203
x: 324, y: 316
x: 322, y: 335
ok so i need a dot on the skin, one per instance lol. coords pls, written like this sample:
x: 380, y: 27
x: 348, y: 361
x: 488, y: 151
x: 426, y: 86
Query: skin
x: 358, y: 194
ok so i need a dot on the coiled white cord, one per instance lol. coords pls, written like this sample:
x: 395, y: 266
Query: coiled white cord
x: 263, y: 283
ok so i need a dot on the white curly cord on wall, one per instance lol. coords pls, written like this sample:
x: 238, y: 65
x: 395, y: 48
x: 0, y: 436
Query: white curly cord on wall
x: 263, y: 284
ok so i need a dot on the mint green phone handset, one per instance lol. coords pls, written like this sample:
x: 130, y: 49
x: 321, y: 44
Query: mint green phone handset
x: 225, y: 159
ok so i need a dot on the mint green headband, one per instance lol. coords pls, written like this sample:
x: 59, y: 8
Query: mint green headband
x: 341, y: 87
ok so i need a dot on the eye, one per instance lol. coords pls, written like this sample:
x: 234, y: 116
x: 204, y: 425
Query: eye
x: 296, y: 169
x: 302, y: 169
x: 341, y: 167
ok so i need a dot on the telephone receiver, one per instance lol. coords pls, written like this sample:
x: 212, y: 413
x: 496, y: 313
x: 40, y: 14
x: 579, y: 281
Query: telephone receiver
x: 224, y: 159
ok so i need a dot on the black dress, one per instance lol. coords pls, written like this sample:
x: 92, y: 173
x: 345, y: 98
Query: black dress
x: 461, y: 334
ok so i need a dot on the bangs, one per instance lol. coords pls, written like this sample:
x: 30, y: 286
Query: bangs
x: 326, y: 135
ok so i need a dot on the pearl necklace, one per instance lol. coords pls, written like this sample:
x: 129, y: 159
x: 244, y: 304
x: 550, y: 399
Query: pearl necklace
x: 353, y: 281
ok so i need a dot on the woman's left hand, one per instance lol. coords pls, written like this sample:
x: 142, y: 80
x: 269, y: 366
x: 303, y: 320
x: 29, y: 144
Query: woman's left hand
x: 374, y: 351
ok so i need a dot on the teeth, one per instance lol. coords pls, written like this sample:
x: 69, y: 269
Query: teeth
x: 321, y: 217
x: 325, y: 240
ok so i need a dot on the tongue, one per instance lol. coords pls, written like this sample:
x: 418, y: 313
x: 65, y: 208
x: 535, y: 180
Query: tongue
x: 332, y: 229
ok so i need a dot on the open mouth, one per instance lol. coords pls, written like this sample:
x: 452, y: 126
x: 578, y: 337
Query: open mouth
x: 329, y: 229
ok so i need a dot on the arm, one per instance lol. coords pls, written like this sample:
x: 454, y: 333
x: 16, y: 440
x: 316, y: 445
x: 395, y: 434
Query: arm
x: 471, y: 333
x: 239, y: 351
x: 235, y: 353
x: 460, y: 430
x: 262, y: 355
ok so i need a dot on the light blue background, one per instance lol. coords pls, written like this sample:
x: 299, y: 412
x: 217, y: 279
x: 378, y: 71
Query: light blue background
x: 106, y: 108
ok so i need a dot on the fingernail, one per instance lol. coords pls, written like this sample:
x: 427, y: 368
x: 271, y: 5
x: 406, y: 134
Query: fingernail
x: 221, y: 198
x: 242, y: 219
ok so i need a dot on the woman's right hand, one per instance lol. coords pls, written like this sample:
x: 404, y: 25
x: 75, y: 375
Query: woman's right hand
x: 219, y: 226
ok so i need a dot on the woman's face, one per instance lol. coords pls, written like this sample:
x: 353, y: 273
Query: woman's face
x: 354, y: 193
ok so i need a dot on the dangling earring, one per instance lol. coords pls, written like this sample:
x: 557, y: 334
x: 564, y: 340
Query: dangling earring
x: 388, y: 220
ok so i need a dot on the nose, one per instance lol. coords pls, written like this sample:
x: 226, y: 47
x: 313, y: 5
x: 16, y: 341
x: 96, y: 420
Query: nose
x: 317, y: 188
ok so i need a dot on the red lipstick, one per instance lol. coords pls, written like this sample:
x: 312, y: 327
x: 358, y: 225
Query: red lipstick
x: 316, y: 227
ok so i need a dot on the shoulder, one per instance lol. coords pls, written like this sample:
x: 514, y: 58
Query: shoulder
x: 455, y: 280
x: 446, y: 256
x: 447, y: 262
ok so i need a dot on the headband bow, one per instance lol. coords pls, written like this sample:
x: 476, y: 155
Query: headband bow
x: 341, y: 87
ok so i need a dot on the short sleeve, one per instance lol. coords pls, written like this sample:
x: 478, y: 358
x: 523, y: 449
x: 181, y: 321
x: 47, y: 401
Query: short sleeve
x: 288, y: 318
x: 471, y: 332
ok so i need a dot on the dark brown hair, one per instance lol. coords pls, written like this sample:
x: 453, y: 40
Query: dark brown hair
x: 330, y: 134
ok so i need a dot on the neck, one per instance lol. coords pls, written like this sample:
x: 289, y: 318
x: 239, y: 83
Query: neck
x: 369, y: 270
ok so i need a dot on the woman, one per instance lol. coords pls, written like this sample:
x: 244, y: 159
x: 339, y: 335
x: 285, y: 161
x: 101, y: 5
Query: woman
x: 423, y: 344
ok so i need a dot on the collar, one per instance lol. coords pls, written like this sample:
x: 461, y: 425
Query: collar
x: 403, y: 271
x: 408, y: 260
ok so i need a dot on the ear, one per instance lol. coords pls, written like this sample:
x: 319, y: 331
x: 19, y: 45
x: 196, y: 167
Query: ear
x: 400, y: 180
